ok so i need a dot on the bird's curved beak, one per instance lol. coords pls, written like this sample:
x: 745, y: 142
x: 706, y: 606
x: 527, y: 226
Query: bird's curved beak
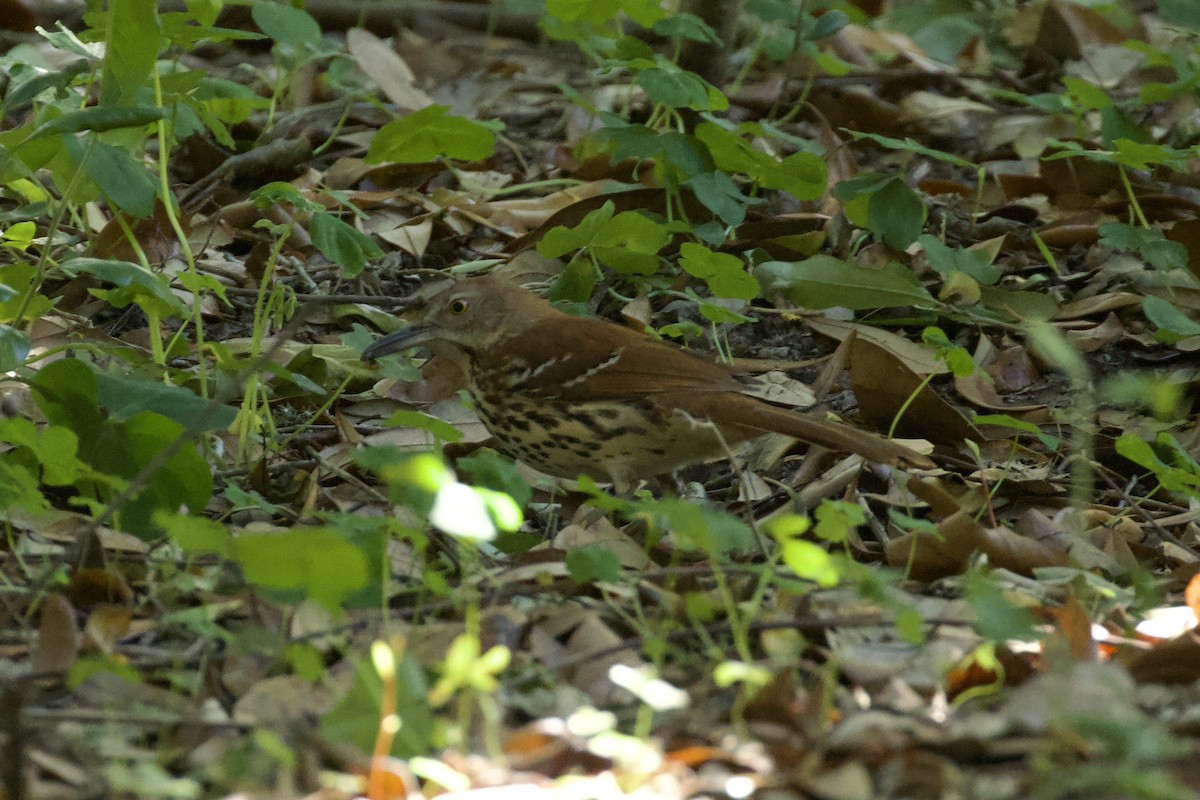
x: 412, y: 336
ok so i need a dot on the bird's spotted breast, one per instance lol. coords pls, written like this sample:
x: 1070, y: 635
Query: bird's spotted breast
x: 599, y: 439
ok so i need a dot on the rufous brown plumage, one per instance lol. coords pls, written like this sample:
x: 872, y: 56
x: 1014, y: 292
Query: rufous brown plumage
x: 577, y: 396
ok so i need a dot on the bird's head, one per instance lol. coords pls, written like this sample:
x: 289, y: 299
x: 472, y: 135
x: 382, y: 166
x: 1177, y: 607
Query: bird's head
x: 467, y: 316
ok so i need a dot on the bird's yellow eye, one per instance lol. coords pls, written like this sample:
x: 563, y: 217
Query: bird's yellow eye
x: 458, y: 306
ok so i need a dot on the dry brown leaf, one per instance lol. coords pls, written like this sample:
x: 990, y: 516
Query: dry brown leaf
x: 1097, y: 304
x: 105, y: 626
x: 1191, y: 595
x: 1174, y: 661
x: 883, y: 385
x: 916, y: 357
x: 979, y: 391
x: 382, y: 64
x: 958, y: 537
x: 57, y: 645
x: 1066, y: 28
x: 1073, y: 628
x: 93, y: 586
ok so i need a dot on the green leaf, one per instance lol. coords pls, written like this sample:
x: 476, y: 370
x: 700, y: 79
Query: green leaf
x: 1168, y: 317
x: 184, y: 481
x: 319, y: 562
x: 804, y: 175
x: 896, y: 214
x: 21, y: 488
x: 283, y: 192
x: 824, y: 282
x: 1185, y: 478
x: 342, y: 244
x: 98, y: 119
x: 629, y: 242
x: 440, y: 429
x: 596, y: 12
x: 131, y: 51
x: 429, y: 134
x: 14, y: 348
x: 631, y: 230
x: 725, y: 274
x: 124, y: 181
x: 910, y: 625
x: 999, y: 619
x: 136, y: 281
x: 835, y: 519
x: 678, y: 150
x: 684, y: 25
x: 721, y: 315
x: 811, y: 562
x: 25, y: 92
x: 593, y: 564
x: 1149, y: 243
x: 196, y: 534
x: 355, y: 719
x: 65, y: 391
x: 733, y: 153
x: 646, y: 13
x: 774, y: 11
x: 491, y: 471
x: 1185, y: 13
x: 19, y: 236
x: 1087, y: 95
x: 706, y: 529
x: 678, y: 88
x: 916, y: 148
x: 180, y: 29
x: 1014, y: 306
x: 285, y: 24
x: 947, y: 260
x: 125, y: 397
x: 720, y: 195
x: 561, y: 240
x: 53, y: 447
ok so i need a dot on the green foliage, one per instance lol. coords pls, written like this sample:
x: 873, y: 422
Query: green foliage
x: 802, y: 174
x: 1149, y: 243
x: 429, y: 134
x: 885, y: 206
x: 356, y: 718
x: 286, y: 25
x: 593, y: 564
x: 955, y: 357
x: 1175, y: 469
x: 948, y: 260
x: 806, y: 559
x: 628, y: 242
x: 725, y: 275
x: 998, y: 618
x: 423, y: 483
x: 836, y: 518
x: 706, y: 529
x: 338, y: 241
x: 468, y: 669
x: 135, y: 284
x: 104, y: 432
x: 1172, y: 323
x: 315, y: 562
x: 823, y: 282
x: 342, y: 244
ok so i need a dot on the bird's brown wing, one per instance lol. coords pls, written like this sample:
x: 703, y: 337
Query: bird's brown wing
x: 739, y: 411
x: 590, y: 359
x: 593, y: 360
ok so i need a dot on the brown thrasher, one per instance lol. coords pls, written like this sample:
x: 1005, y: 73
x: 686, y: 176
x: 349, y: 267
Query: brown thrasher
x: 572, y: 396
